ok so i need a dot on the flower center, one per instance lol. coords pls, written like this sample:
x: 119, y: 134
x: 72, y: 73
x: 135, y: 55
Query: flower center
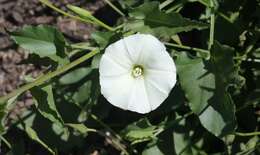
x: 137, y: 71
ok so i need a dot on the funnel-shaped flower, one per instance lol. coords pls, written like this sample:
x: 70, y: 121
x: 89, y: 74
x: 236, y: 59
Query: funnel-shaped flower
x: 137, y: 73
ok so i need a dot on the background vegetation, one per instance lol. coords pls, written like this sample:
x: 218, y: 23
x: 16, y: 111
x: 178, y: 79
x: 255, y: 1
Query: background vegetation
x: 213, y: 109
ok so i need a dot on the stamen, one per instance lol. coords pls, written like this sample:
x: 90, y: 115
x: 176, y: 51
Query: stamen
x: 137, y: 71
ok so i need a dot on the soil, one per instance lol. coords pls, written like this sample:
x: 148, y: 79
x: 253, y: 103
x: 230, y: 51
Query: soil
x: 14, y: 14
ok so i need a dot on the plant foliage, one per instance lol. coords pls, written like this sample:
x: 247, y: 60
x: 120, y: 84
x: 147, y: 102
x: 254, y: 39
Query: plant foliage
x: 213, y: 109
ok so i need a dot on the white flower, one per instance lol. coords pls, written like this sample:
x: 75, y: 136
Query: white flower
x: 137, y: 73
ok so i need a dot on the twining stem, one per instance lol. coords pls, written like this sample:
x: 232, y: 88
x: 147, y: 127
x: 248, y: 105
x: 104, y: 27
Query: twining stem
x: 115, y: 8
x: 48, y: 76
x: 212, y: 26
x: 186, y: 47
x: 94, y: 21
x: 247, y: 134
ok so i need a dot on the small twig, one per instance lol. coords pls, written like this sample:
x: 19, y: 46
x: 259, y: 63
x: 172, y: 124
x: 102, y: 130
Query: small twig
x: 187, y: 47
x: 247, y: 134
x: 115, y: 8
x: 212, y: 26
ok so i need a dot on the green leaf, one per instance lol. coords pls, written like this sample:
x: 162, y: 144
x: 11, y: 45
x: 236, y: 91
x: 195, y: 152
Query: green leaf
x: 83, y: 93
x: 33, y: 135
x: 182, y: 141
x: 153, y: 150
x: 256, y: 53
x: 224, y: 66
x: 140, y: 131
x: 46, y: 105
x: 185, y: 142
x: 75, y: 75
x: 79, y: 127
x: 102, y: 38
x: 148, y: 18
x: 105, y: 38
x: 205, y: 85
x: 96, y: 61
x: 161, y: 145
x: 193, y: 78
x: 45, y: 41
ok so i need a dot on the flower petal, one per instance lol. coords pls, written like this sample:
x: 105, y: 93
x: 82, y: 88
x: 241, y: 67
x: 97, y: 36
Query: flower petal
x: 139, y: 94
x: 150, y: 46
x: 118, y: 52
x: 139, y: 101
x: 133, y: 45
x: 109, y: 67
x: 159, y: 85
x: 156, y: 95
x: 117, y: 89
x: 162, y: 80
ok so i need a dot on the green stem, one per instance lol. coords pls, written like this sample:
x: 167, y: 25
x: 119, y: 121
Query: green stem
x: 120, y: 26
x: 186, y: 47
x: 165, y: 3
x: 48, y: 76
x: 5, y: 141
x: 95, y: 21
x: 115, y: 8
x: 212, y: 27
x: 83, y: 47
x: 224, y: 17
x: 175, y: 8
x: 50, y: 5
x: 100, y: 23
x: 247, y: 134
